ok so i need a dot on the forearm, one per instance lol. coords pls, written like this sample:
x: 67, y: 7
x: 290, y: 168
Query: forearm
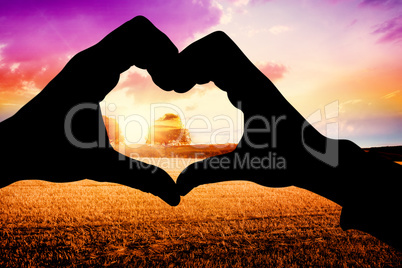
x: 374, y: 204
x: 367, y: 188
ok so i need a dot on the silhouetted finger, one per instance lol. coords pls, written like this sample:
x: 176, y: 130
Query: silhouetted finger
x: 216, y: 58
x: 199, y: 63
x: 211, y: 170
x: 137, y: 42
x: 94, y: 72
x: 114, y: 167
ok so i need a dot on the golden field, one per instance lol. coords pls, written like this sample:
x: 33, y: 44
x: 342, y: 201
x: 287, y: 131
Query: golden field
x: 232, y: 224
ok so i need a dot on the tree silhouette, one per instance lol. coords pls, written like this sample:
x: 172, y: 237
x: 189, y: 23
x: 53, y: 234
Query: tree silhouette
x: 169, y: 131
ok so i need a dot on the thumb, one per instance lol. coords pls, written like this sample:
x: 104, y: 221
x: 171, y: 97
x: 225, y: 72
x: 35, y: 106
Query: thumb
x: 211, y: 170
x: 115, y: 167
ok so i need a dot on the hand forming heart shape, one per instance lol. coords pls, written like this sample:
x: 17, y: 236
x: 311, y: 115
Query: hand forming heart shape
x: 67, y: 143
x: 272, y: 134
x: 92, y: 73
x: 278, y: 148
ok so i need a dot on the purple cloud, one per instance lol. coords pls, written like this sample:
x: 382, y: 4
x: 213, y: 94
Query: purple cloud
x: 390, y: 30
x: 381, y: 3
x: 38, y: 34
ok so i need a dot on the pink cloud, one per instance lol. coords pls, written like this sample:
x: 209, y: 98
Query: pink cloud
x: 259, y: 1
x: 273, y: 71
x: 334, y: 2
x: 16, y: 76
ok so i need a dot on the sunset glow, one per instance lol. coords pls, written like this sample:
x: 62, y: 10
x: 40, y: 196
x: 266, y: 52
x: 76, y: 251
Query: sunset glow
x: 315, y: 52
x: 168, y: 130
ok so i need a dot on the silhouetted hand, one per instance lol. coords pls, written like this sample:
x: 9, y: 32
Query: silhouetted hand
x: 60, y: 136
x: 272, y: 150
x: 279, y: 147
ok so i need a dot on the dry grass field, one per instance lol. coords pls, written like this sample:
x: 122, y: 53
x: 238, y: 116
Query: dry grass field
x: 233, y: 224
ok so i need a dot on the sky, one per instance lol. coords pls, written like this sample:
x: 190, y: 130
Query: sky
x: 317, y: 52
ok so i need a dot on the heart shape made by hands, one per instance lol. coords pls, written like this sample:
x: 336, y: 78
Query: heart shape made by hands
x: 269, y: 152
x: 216, y: 58
x: 67, y: 143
